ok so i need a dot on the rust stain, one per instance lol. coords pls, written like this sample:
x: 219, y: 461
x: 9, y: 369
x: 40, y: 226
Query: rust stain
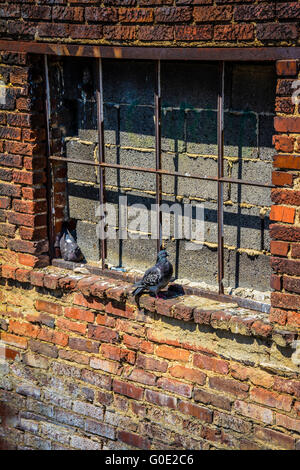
x: 118, y: 52
x: 79, y: 51
x: 55, y: 48
x: 66, y: 50
x: 96, y: 51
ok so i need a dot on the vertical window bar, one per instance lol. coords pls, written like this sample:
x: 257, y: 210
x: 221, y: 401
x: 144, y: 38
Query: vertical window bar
x: 157, y: 99
x: 221, y: 175
x: 49, y: 186
x: 100, y: 122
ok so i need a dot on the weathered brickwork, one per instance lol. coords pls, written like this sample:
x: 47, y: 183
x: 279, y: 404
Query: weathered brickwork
x: 23, y: 213
x: 285, y: 211
x: 86, y: 369
x: 140, y: 22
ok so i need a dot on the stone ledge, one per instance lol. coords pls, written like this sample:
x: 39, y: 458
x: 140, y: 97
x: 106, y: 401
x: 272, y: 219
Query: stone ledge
x: 190, y: 308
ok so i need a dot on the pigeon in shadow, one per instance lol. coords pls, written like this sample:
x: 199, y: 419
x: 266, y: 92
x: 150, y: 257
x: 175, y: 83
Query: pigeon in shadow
x: 155, y: 278
x: 69, y: 249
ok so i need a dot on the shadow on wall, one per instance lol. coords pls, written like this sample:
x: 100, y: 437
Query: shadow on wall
x: 189, y: 145
x: 9, y: 419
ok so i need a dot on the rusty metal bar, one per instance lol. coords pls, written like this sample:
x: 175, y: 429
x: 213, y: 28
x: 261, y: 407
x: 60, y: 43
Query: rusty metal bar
x: 220, y: 176
x: 157, y: 101
x: 49, y: 186
x: 163, y: 172
x: 101, y: 148
x: 154, y: 53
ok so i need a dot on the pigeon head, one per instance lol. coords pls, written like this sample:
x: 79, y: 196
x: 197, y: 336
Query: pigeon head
x: 161, y: 255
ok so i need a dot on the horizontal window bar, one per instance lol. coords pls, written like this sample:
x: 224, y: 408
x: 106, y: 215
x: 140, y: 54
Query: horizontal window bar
x: 163, y: 172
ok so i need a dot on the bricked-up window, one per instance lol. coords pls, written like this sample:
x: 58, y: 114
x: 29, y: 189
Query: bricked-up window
x: 189, y: 145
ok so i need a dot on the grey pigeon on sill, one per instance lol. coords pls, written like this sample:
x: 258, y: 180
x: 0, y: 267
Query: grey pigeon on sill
x: 157, y: 277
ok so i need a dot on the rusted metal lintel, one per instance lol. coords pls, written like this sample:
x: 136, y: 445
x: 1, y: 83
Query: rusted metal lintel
x: 154, y: 53
x: 163, y: 172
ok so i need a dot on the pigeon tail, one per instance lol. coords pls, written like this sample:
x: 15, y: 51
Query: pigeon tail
x: 138, y: 290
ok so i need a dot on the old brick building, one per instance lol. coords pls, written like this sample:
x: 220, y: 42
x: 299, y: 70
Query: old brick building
x: 205, y: 88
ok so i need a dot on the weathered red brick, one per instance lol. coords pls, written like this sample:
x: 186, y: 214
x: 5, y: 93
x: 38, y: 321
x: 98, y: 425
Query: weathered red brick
x: 76, y: 327
x: 230, y: 386
x: 23, y: 275
x: 276, y: 31
x: 79, y: 314
x: 193, y: 32
x: 187, y: 373
x: 102, y: 333
x: 235, y: 32
x: 81, y: 344
x: 275, y: 438
x: 173, y: 14
x: 135, y: 15
x: 254, y: 411
x: 138, y: 344
x: 287, y: 124
x: 209, y: 398
x: 278, y: 316
x: 279, y: 248
x: 140, y: 376
x: 155, y: 33
x: 13, y: 340
x: 129, y: 390
x: 263, y: 11
x: 288, y: 10
x: 175, y: 386
x: 134, y: 440
x: 287, y: 301
x: 207, y: 14
x: 199, y: 412
x: 23, y: 329
x: 117, y: 353
x: 284, y: 232
x: 283, y: 214
x: 291, y: 284
x: 284, y: 143
x: 174, y: 354
x: 161, y: 399
x: 49, y: 307
x: 119, y: 32
x: 270, y: 398
x: 89, y: 302
x: 69, y: 13
x: 280, y: 178
x: 211, y: 363
x: 149, y: 363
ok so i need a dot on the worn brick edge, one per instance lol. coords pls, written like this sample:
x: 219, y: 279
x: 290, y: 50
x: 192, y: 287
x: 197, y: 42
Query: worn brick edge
x: 117, y: 295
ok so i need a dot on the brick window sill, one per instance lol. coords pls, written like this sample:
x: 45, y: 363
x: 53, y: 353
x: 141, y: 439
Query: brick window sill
x: 114, y: 296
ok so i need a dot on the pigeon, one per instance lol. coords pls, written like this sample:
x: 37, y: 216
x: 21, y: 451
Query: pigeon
x: 69, y: 249
x: 157, y: 277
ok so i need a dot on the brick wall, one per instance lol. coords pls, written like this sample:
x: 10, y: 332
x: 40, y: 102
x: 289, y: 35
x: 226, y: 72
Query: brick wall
x: 228, y: 377
x: 186, y: 22
x: 285, y: 211
x: 23, y: 213
x: 86, y: 369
